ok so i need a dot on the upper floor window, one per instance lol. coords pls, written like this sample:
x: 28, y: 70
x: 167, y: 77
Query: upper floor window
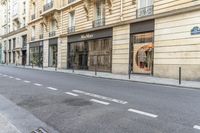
x: 145, y: 8
x: 99, y: 13
x: 100, y: 9
x: 53, y: 25
x: 33, y: 33
x: 24, y: 6
x: 71, y: 27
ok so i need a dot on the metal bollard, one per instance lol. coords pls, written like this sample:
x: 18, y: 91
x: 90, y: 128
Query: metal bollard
x: 180, y: 76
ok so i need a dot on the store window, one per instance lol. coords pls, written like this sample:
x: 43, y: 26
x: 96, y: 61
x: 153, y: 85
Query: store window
x: 91, y: 55
x: 142, y: 53
x: 36, y: 56
x: 53, y: 55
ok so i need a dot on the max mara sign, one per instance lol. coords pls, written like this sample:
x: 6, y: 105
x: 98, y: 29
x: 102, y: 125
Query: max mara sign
x: 195, y: 30
x: 90, y: 35
x: 87, y: 36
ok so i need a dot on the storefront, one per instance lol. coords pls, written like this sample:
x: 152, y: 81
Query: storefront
x: 53, y: 52
x: 142, y: 46
x: 36, y: 53
x: 90, y: 51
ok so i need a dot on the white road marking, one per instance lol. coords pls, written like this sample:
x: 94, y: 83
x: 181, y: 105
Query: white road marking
x: 26, y: 81
x: 36, y: 84
x: 142, y: 113
x: 5, y: 75
x: 51, y: 88
x: 72, y: 94
x: 11, y: 77
x: 101, y: 97
x: 98, y: 101
x: 196, y: 127
x: 18, y: 79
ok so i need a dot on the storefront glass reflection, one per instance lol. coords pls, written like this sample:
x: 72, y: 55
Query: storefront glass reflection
x: 90, y: 54
x: 142, y: 54
x: 36, y: 56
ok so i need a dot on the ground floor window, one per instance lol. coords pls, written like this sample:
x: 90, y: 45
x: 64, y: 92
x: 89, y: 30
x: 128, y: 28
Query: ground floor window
x: 9, y: 57
x: 91, y: 54
x: 53, y: 50
x: 142, y: 53
x: 14, y: 57
x: 36, y: 55
x: 24, y: 57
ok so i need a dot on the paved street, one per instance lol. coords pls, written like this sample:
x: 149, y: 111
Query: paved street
x: 67, y: 103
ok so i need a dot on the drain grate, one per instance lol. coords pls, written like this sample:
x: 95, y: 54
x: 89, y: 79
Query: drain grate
x: 40, y: 130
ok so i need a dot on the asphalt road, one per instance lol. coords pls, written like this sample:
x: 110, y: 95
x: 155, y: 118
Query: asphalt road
x: 71, y: 103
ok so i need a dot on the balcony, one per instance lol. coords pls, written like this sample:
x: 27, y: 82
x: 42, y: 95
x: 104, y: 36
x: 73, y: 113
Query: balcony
x: 33, y: 17
x: 32, y: 38
x: 70, y: 1
x: 146, y: 11
x: 41, y: 36
x: 71, y: 29
x: 98, y: 22
x: 52, y: 34
x: 48, y: 6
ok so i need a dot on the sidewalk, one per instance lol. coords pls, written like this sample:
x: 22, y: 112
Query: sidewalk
x: 135, y: 78
x: 6, y: 126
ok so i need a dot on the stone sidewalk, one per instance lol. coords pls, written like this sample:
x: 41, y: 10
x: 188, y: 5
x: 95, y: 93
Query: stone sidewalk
x: 6, y: 126
x: 134, y: 77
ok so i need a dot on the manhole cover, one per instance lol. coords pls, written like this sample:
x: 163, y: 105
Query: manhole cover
x: 40, y: 130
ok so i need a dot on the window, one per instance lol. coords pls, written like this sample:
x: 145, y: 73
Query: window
x: 33, y: 33
x: 24, y: 22
x: 24, y: 5
x: 72, y: 19
x: 100, y: 11
x: 144, y: 3
x: 53, y: 25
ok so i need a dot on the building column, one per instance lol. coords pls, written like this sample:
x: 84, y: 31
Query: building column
x: 59, y: 52
x: 120, y: 49
x: 45, y: 53
x: 64, y: 53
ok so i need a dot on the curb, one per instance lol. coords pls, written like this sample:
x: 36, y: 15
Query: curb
x: 101, y: 77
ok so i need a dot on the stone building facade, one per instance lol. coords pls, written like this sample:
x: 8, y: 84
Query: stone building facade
x: 150, y: 37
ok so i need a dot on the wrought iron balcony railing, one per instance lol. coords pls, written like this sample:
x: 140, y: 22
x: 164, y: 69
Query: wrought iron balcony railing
x: 71, y: 29
x: 146, y: 11
x: 98, y: 22
x: 70, y: 1
x: 48, y: 6
x: 33, y: 17
x: 41, y: 36
x: 52, y: 34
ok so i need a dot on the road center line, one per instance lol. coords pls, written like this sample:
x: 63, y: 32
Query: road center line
x: 72, y: 94
x: 100, y: 97
x: 98, y: 101
x: 5, y: 75
x: 11, y: 77
x: 26, y: 81
x: 36, y: 84
x: 18, y: 79
x: 51, y: 88
x: 196, y: 127
x: 142, y: 113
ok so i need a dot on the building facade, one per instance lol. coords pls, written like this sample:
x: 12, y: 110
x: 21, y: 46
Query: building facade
x: 150, y: 37
x: 14, y: 39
